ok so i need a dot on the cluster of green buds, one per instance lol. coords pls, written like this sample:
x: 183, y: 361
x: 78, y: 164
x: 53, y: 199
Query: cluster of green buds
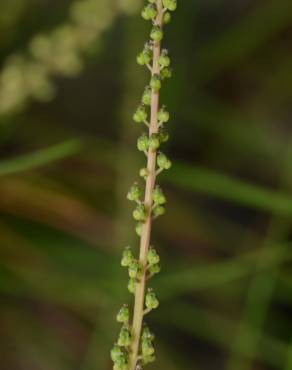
x: 134, y: 347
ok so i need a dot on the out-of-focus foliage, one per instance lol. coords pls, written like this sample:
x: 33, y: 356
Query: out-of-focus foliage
x: 68, y: 88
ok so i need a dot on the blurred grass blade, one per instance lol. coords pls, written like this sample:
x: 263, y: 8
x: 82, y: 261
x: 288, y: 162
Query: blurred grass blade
x: 218, y: 329
x: 39, y: 158
x: 221, y: 186
x: 247, y: 35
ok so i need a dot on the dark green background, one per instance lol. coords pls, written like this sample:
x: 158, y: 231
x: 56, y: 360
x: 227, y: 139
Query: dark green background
x: 68, y: 157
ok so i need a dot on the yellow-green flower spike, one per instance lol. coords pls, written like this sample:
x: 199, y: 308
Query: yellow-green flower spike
x: 134, y: 347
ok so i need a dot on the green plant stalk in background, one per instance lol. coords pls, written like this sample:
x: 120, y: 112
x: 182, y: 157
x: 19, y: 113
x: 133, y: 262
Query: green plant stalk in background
x: 134, y: 347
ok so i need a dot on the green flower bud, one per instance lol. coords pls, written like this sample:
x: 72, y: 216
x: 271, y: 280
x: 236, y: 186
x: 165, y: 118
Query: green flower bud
x: 116, y: 353
x: 163, y: 162
x: 146, y: 98
x: 149, y: 12
x: 144, y: 173
x: 158, y: 211
x: 154, y: 142
x: 132, y: 286
x: 152, y: 256
x: 135, y: 270
x: 121, y: 365
x: 164, y: 60
x: 155, y: 83
x: 143, y: 143
x: 139, y: 228
x: 140, y: 115
x: 170, y: 4
x: 151, y: 300
x: 166, y: 73
x: 154, y: 269
x: 147, y: 347
x: 143, y: 58
x: 147, y: 334
x: 156, y: 34
x: 134, y: 193
x: 140, y: 213
x: 124, y: 315
x: 148, y: 359
x: 163, y: 136
x: 166, y: 18
x: 125, y: 337
x: 163, y: 115
x: 127, y: 258
x: 158, y: 196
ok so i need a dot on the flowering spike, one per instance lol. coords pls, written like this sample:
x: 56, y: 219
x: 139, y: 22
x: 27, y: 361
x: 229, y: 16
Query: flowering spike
x: 134, y: 348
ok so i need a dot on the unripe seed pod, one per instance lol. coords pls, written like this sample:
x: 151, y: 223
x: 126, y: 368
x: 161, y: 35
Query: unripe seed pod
x: 163, y: 162
x: 134, y: 193
x: 132, y: 286
x: 144, y: 173
x: 149, y: 12
x: 163, y: 115
x: 140, y: 213
x: 156, y: 34
x: 134, y: 270
x: 154, y: 269
x: 140, y: 115
x: 166, y: 18
x: 146, y: 98
x: 127, y: 258
x: 147, y: 334
x: 139, y: 228
x: 124, y: 339
x: 154, y: 142
x: 152, y: 256
x: 163, y: 136
x: 155, y: 83
x: 164, y: 59
x: 116, y: 353
x: 151, y: 300
x: 158, y: 211
x: 148, y: 359
x: 143, y: 143
x: 147, y: 347
x: 170, y: 4
x: 124, y: 315
x: 166, y: 73
x: 144, y: 58
x: 158, y: 196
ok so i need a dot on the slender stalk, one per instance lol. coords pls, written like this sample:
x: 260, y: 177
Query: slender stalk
x: 150, y: 184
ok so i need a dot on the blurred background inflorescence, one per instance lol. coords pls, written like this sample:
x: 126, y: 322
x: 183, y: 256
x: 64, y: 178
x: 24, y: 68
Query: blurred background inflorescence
x: 68, y: 86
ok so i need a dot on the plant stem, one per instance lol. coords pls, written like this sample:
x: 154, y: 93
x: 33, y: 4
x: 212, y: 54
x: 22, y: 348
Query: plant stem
x: 146, y: 231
